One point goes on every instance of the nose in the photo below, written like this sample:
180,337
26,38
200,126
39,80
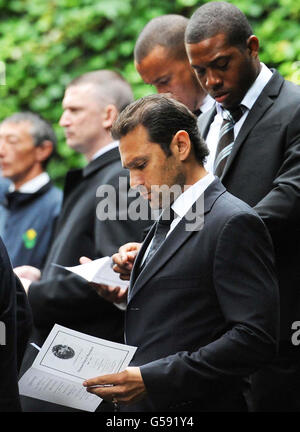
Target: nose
212,80
136,179
65,119
2,147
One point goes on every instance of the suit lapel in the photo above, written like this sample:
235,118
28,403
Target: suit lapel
173,242
161,257
137,263
74,177
205,120
264,101
101,161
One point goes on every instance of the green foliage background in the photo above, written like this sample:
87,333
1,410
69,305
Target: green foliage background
45,43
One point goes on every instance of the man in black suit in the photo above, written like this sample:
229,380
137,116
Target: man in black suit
203,304
91,103
15,325
260,165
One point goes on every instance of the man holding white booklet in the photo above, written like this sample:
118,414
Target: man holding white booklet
65,360
90,105
202,304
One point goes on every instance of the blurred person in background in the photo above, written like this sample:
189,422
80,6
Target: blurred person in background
31,204
161,60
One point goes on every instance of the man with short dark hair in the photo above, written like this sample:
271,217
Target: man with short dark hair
160,59
253,134
27,142
90,105
203,303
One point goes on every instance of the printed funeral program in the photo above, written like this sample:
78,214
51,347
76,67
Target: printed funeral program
98,271
68,358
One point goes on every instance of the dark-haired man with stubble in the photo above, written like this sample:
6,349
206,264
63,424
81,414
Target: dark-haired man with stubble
160,59
202,306
253,134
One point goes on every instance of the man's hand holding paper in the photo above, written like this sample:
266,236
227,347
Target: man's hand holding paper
113,294
124,387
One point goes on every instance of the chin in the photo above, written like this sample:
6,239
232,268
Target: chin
73,145
4,173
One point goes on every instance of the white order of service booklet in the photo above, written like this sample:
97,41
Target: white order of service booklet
66,359
99,271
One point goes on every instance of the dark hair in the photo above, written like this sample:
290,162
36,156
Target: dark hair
111,86
218,17
163,117
41,130
166,31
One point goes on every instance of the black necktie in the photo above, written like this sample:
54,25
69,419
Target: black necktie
161,230
226,138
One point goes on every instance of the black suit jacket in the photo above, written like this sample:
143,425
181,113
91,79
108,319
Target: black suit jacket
204,311
9,395
263,170
66,299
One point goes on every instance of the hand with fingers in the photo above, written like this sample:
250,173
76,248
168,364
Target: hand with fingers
113,294
28,272
124,259
124,387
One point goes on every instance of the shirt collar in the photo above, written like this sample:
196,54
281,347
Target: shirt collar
185,201
255,90
207,103
32,185
257,87
105,149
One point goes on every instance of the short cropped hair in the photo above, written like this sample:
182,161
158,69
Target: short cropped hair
111,87
41,130
162,117
218,17
166,31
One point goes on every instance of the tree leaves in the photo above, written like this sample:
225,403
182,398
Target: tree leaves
45,44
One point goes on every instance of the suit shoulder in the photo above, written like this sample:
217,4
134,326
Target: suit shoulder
291,87
236,221
231,206
290,93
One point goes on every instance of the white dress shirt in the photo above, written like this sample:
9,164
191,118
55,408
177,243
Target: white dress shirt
105,149
32,185
184,202
249,100
207,103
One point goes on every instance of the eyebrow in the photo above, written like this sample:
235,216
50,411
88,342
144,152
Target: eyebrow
216,60
136,161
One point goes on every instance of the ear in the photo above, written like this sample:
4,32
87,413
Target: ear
253,45
43,151
181,145
110,114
